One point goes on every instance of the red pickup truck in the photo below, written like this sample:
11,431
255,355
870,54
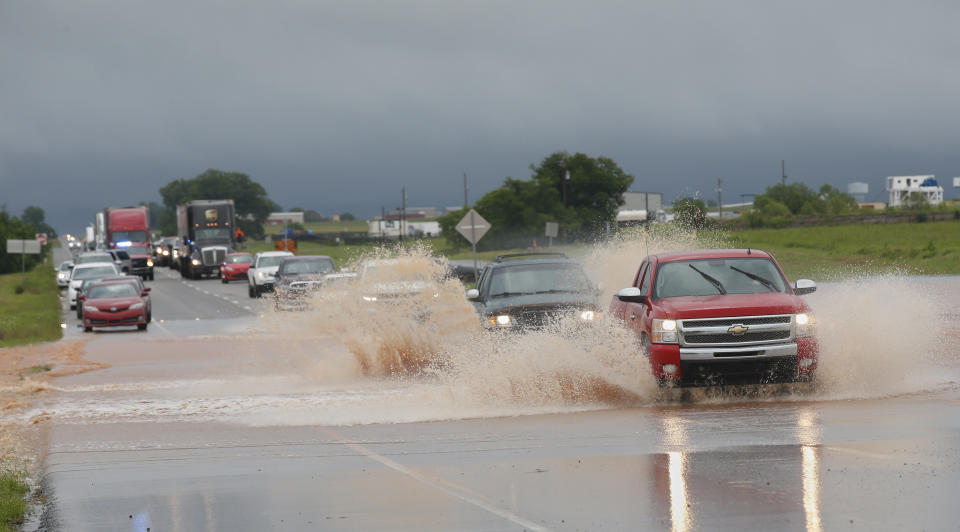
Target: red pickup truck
716,317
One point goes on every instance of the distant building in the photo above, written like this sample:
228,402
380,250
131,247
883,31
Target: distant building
284,218
858,190
640,207
390,228
901,187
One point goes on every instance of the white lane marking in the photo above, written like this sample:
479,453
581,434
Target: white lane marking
162,328
859,452
247,307
454,490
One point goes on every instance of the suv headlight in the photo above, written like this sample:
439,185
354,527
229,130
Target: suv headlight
804,325
501,320
664,331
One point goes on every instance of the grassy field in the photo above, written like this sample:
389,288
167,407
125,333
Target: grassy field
34,315
814,252
928,248
12,503
323,227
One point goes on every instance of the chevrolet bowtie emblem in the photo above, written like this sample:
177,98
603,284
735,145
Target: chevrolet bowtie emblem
738,329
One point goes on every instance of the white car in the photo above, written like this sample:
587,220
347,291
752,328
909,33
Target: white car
263,273
90,270
63,273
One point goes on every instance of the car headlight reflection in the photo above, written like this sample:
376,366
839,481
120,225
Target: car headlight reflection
804,324
369,298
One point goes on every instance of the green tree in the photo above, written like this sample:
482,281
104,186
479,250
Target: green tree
347,217
250,197
36,218
690,212
591,195
837,202
798,197
15,228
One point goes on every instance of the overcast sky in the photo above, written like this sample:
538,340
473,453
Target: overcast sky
337,105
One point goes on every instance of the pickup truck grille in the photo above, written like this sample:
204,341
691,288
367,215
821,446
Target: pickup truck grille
138,263
213,256
747,330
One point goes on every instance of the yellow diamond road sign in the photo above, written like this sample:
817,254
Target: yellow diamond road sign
473,226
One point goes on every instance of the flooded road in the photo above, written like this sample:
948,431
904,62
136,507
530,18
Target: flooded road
247,420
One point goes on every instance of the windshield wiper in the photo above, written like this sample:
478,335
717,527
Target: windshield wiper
765,282
557,291
710,278
509,294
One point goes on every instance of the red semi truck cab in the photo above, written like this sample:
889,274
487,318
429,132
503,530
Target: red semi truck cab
716,317
128,228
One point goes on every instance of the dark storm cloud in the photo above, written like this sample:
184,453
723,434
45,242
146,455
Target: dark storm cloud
335,106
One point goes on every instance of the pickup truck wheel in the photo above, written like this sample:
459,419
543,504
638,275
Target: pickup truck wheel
88,329
251,292
150,276
223,280
645,344
141,326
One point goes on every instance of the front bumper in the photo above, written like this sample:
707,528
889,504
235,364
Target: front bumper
232,275
711,366
114,319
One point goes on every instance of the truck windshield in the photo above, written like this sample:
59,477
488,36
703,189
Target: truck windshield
307,266
545,278
736,276
274,260
118,237
212,233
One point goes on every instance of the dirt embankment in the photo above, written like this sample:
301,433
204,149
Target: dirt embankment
25,373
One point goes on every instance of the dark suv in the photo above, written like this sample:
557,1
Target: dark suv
529,290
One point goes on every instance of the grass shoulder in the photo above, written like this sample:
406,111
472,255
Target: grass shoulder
13,504
33,315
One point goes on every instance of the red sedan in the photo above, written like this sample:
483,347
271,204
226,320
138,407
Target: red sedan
114,305
234,267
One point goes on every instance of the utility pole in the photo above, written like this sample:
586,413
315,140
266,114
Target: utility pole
719,199
465,189
383,219
403,211
783,172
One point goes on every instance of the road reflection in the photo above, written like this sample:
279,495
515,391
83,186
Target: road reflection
679,514
729,481
808,433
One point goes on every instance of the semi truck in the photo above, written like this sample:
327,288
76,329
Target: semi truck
128,228
206,232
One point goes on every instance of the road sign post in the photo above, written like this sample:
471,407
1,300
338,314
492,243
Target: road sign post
473,227
551,231
23,247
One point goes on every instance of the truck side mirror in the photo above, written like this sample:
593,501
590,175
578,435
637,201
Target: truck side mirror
804,286
473,294
631,294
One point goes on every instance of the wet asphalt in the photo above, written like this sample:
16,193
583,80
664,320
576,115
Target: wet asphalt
141,446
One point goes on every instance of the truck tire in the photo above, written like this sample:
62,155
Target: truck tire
88,329
223,279
141,326
251,291
150,276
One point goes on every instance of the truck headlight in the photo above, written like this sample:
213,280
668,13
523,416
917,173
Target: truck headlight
804,324
150,262
369,298
502,320
195,262
664,331
587,315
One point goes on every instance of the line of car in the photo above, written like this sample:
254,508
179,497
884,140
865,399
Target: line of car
103,295
702,318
